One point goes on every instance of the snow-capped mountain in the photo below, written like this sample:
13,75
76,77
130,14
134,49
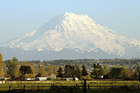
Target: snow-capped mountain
77,33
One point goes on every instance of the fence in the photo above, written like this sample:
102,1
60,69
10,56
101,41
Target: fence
83,85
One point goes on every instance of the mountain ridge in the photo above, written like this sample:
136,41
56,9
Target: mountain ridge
72,31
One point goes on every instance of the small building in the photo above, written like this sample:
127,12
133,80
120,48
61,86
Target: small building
52,76
4,78
2,82
76,79
41,78
100,77
29,79
68,79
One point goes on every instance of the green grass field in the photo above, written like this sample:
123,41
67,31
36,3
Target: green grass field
94,85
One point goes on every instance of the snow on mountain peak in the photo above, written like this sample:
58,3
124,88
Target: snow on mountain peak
73,31
74,16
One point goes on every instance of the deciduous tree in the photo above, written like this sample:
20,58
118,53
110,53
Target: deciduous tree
42,69
116,72
1,65
105,70
12,67
25,70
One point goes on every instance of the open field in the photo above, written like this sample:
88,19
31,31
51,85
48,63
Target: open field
94,85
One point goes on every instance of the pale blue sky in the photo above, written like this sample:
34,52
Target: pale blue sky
20,16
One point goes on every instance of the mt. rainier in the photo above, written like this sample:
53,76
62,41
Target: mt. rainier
71,36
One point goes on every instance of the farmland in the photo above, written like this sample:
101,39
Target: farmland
94,85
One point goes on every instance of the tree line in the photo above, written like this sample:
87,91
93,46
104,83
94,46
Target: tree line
15,69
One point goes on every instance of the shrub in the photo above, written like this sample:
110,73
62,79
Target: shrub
49,79
58,78
88,77
29,76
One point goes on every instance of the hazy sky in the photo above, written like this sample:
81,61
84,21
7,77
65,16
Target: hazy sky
20,16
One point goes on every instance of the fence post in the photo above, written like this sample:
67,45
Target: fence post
78,87
85,89
38,87
24,87
52,86
9,87
139,76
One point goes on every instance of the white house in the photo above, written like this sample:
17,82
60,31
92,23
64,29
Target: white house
70,79
29,79
76,79
100,77
4,78
41,78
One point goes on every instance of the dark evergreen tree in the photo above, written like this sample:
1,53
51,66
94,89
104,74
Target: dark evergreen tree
138,68
72,70
38,75
60,73
68,71
97,70
77,72
84,71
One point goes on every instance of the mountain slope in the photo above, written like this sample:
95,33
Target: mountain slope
75,32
